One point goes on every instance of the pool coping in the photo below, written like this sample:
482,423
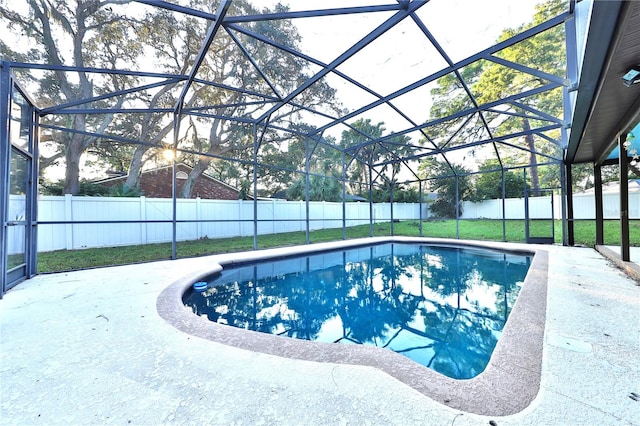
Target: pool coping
510,382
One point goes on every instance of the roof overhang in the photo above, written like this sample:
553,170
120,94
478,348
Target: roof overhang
605,108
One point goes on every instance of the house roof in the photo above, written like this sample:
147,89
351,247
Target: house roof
614,187
178,166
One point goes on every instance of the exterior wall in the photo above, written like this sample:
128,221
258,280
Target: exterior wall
157,184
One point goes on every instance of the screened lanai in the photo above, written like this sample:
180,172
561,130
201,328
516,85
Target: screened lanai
366,99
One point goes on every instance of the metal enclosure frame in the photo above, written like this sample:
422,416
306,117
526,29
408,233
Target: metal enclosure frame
221,21
10,276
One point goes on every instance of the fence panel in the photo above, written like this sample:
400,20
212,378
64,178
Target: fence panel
51,237
406,211
232,218
357,213
218,219
157,209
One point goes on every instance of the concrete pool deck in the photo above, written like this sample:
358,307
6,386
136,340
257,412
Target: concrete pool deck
89,347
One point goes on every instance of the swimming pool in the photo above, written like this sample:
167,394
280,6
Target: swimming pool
508,384
442,306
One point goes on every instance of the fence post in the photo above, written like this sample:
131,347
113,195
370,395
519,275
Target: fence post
273,216
198,216
143,216
240,223
68,217
324,216
420,206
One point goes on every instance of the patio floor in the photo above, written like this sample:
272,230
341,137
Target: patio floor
89,347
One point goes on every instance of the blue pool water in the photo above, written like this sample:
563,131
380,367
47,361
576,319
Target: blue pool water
443,307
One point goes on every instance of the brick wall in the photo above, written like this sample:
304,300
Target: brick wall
157,184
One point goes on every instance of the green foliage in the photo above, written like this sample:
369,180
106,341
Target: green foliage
45,32
321,188
325,170
362,130
442,180
92,189
124,190
245,190
406,194
489,81
488,185
86,188
402,193
109,34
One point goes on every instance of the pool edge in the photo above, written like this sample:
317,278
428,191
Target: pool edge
510,382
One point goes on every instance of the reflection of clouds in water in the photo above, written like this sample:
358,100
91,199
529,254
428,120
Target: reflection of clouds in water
435,305
331,330
435,261
481,295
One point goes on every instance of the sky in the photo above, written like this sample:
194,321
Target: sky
462,27
469,27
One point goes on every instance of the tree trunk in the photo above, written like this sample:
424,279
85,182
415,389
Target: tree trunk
197,171
533,162
133,176
73,153
71,174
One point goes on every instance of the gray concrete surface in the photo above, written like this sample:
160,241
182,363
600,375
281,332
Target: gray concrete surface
89,347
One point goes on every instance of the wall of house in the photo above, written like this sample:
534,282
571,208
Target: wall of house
158,183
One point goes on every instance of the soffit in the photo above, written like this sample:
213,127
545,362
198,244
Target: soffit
605,107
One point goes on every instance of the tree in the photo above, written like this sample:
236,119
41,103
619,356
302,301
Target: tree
280,74
60,33
102,36
105,35
85,188
441,178
122,190
406,194
544,52
325,166
283,159
489,81
321,188
488,184
361,131
402,193
365,154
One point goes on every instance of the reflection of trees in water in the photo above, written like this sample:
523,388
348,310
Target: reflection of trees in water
375,300
462,341
369,313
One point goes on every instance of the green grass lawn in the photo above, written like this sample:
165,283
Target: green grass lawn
488,230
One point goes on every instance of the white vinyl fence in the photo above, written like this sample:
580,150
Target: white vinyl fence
218,219
584,207
222,218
